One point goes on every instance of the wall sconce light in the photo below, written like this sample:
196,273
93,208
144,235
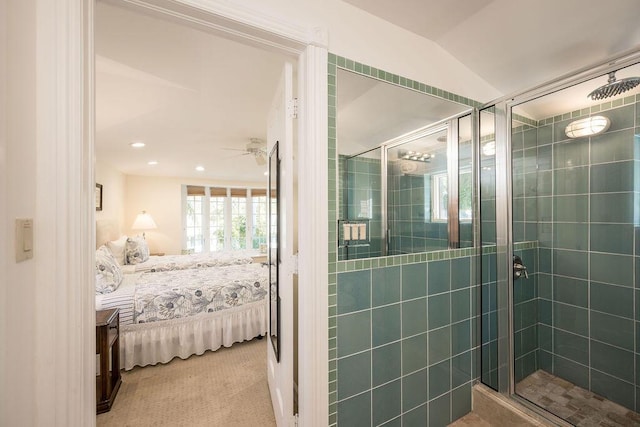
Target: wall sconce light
587,127
144,222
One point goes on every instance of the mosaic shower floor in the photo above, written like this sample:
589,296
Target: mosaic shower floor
574,404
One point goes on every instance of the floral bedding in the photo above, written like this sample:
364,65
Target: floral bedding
182,293
203,260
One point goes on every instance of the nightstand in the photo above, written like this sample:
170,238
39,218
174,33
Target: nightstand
107,347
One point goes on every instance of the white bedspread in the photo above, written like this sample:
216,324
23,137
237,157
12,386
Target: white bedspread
202,260
238,317
184,293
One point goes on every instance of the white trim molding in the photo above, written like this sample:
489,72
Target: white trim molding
4,209
313,226
236,21
64,221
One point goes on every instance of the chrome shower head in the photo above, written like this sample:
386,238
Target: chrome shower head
614,87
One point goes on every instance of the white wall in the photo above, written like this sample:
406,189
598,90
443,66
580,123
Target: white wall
18,166
365,38
162,199
113,194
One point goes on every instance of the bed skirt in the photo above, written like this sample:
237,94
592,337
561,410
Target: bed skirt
145,344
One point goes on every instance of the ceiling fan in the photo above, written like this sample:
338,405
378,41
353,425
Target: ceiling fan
257,147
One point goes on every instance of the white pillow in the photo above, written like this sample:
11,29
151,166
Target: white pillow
137,250
117,249
108,273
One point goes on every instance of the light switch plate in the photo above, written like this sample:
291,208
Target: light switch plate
24,239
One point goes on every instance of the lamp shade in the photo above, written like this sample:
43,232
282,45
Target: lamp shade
144,222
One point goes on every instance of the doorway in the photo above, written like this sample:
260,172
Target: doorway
171,86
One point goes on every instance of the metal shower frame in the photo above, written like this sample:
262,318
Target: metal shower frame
504,213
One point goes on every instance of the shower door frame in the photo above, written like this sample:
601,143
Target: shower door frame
504,212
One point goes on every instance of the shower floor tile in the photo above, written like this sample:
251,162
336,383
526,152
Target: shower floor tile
574,404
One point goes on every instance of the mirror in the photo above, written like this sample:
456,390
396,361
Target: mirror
274,250
394,165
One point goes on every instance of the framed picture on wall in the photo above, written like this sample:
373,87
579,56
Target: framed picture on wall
98,197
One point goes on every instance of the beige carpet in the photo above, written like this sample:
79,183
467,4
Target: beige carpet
227,387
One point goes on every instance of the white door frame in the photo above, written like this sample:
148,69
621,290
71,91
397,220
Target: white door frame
65,148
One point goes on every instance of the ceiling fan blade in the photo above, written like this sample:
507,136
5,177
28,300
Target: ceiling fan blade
235,155
232,149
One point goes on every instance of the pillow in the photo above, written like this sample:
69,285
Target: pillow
117,249
137,250
108,273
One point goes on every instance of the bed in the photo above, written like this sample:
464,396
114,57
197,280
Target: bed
179,313
201,260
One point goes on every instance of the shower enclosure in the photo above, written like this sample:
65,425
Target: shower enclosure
560,189
542,189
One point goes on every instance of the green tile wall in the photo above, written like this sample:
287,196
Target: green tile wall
406,338
526,164
587,196
409,230
360,181
369,325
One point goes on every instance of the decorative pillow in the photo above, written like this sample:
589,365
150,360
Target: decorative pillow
108,273
137,250
117,249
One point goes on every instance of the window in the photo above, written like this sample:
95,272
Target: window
238,219
194,232
259,218
218,219
440,196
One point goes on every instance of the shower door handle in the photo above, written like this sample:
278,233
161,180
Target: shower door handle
519,268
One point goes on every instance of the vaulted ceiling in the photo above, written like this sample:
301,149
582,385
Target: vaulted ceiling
198,99
516,44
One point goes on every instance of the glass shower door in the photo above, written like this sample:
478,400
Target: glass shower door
576,228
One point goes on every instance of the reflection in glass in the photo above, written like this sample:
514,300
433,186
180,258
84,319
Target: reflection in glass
393,173
465,182
417,194
361,204
489,298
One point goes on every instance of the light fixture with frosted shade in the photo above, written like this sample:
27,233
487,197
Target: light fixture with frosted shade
144,222
587,127
489,148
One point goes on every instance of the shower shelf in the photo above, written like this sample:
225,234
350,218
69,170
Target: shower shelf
353,232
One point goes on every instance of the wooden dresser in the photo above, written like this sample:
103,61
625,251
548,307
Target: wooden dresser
108,348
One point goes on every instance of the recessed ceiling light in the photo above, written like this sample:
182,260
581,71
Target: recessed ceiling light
137,144
200,168
266,173
152,163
